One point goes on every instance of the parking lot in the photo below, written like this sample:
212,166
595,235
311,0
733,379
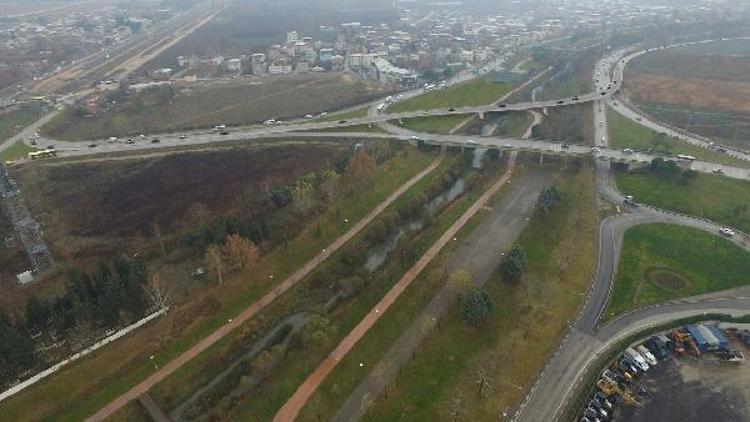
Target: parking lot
691,389
697,372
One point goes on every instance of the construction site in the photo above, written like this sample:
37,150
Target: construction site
692,373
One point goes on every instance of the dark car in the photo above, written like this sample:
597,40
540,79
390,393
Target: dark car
224,132
155,141
451,109
501,105
564,146
560,102
342,121
575,98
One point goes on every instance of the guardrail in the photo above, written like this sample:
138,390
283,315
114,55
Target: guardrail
54,368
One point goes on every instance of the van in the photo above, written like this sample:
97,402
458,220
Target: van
650,358
637,358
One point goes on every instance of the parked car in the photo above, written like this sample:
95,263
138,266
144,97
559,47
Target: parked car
650,358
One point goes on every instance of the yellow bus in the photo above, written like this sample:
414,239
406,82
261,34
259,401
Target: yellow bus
45,153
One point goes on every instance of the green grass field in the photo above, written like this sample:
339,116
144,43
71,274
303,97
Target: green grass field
703,263
16,151
432,124
625,133
717,198
81,389
514,124
515,343
13,121
479,91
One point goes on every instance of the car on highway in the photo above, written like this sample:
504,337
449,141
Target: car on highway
717,171
726,231
224,132
564,146
627,151
93,145
183,137
561,102
502,105
472,142
308,116
575,98
130,142
414,138
596,149
507,146
451,109
155,141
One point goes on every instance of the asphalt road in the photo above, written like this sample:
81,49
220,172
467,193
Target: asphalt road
586,340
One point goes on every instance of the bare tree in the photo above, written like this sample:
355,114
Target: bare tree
483,381
214,262
156,228
455,409
380,374
158,295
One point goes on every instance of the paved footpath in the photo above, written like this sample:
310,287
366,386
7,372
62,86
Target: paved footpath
291,408
260,304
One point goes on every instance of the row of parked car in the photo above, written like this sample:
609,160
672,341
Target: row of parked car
619,382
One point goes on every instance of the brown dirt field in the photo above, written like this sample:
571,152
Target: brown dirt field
91,209
122,198
692,93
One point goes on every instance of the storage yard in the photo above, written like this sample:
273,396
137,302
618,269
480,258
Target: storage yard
695,373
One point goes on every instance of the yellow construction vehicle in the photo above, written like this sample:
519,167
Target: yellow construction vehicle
609,388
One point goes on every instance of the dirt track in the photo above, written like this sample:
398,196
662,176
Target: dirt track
260,304
295,403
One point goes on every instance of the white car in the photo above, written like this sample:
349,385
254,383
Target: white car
596,149
414,137
627,151
472,142
726,231
637,358
650,358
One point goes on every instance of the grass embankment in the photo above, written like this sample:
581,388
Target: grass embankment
512,124
11,123
432,124
528,321
354,128
352,114
477,92
660,262
625,133
16,151
293,371
717,198
81,389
